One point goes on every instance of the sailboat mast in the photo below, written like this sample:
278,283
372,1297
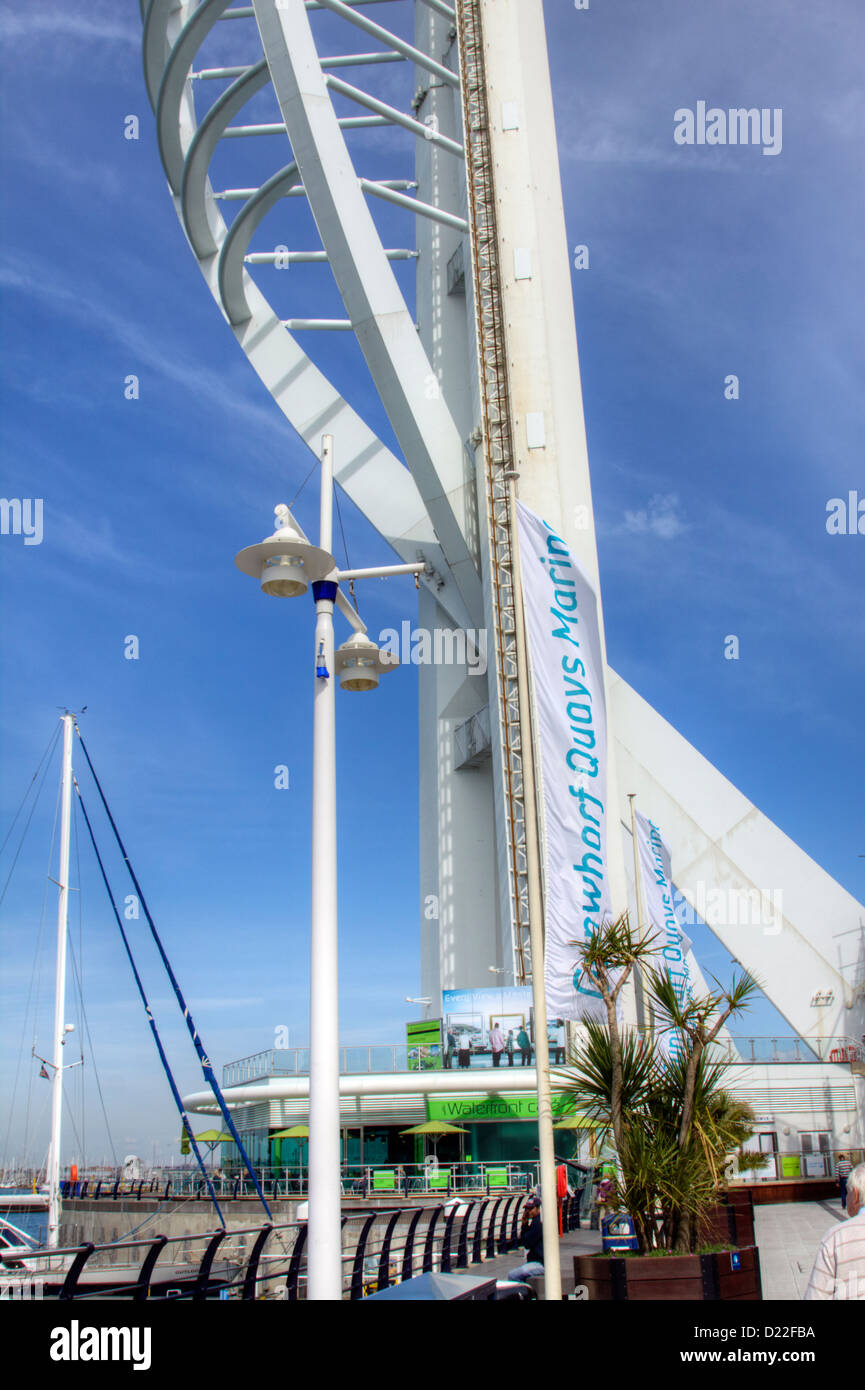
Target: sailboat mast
53,1175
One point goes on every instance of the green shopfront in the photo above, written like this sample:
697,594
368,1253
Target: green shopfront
494,1129
503,1128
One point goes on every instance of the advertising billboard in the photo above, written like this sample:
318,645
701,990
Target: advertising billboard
494,1027
424,1043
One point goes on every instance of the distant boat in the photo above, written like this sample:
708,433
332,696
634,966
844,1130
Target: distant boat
24,1277
14,1241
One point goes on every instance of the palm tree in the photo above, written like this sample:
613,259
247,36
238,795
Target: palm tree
672,1121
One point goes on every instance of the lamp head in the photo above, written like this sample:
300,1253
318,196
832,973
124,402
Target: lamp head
359,663
285,564
282,576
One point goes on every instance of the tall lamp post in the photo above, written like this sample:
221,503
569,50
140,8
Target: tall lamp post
286,565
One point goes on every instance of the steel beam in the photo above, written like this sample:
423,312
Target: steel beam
385,329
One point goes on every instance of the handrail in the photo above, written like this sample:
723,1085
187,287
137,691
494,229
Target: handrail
371,1058
287,1182
387,1237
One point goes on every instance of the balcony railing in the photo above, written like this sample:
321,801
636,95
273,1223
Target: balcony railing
364,1180
294,1061
784,1050
394,1058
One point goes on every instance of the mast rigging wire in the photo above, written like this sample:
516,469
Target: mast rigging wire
47,754
150,1019
204,1060
27,825
36,968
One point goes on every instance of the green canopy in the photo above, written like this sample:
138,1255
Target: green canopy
296,1132
575,1122
214,1136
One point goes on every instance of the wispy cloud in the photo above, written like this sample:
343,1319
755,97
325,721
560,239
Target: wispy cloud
58,25
660,518
87,305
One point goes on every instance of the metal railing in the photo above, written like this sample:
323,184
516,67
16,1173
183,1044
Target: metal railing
781,1050
294,1061
800,1164
386,1057
380,1248
409,1180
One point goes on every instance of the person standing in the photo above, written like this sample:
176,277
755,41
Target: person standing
510,1046
560,1042
497,1044
604,1199
524,1043
450,1049
465,1050
842,1173
839,1266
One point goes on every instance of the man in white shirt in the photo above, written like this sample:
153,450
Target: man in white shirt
839,1269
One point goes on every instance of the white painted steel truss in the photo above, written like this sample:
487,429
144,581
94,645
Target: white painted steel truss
410,508
495,341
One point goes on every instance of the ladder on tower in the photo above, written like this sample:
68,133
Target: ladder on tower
498,454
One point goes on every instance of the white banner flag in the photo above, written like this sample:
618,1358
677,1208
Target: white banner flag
568,680
671,941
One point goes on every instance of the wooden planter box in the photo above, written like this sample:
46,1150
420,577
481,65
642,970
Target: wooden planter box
732,1220
688,1278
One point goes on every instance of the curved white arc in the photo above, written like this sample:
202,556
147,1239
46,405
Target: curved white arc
385,330
173,84
201,151
231,275
448,1083
156,17
376,481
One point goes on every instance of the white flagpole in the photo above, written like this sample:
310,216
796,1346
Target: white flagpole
546,1138
53,1173
644,1017
323,1168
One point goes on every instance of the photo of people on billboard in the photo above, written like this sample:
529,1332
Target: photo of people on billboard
494,1027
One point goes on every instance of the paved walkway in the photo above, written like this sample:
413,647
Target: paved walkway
584,1242
788,1235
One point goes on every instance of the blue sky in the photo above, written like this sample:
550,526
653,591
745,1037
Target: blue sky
711,513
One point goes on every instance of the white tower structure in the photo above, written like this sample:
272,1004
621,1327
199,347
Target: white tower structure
480,382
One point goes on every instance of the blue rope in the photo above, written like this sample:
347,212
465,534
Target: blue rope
150,1019
206,1068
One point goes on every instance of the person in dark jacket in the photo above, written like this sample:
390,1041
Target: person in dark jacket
532,1239
842,1173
